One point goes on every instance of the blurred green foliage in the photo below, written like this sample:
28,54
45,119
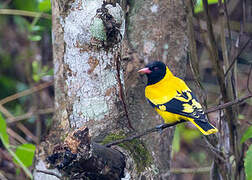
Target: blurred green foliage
33,5
38,25
3,131
29,5
38,71
247,135
44,5
248,163
248,159
24,153
183,133
31,28
21,66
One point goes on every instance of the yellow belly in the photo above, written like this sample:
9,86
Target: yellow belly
170,117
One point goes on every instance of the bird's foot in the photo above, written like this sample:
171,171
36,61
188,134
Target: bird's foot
160,128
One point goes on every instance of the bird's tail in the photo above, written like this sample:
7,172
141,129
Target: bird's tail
205,127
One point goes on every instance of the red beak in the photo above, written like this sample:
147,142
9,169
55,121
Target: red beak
144,71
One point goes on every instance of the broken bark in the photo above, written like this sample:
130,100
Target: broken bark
78,157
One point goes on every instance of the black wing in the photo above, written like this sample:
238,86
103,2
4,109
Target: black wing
185,104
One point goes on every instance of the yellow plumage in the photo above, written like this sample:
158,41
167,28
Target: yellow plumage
174,101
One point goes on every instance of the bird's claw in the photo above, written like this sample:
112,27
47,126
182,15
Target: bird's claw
160,128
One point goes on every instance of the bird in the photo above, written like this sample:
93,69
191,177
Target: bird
172,99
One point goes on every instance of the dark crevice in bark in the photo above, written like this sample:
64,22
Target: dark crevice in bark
80,158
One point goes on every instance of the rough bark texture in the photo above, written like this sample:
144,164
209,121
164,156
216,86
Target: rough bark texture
79,158
87,37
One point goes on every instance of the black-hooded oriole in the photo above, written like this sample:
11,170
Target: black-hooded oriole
172,99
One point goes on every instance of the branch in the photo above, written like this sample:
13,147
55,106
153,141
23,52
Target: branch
25,13
29,115
228,104
49,173
190,170
148,131
2,176
238,54
121,92
26,92
250,70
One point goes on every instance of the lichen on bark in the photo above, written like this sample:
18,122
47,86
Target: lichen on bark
91,70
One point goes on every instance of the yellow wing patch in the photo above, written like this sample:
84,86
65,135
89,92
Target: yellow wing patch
188,108
162,107
183,98
196,104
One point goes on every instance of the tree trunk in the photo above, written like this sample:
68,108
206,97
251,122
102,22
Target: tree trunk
89,87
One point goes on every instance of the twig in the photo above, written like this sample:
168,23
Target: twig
228,21
215,151
5,112
250,70
2,177
25,13
19,125
10,131
228,104
49,173
26,92
148,131
238,54
29,115
190,170
16,136
248,122
222,35
121,93
27,132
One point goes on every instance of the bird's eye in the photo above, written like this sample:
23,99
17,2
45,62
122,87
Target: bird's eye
156,68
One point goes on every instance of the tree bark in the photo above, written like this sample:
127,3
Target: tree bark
89,82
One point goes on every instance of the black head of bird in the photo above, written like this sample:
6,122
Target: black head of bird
155,71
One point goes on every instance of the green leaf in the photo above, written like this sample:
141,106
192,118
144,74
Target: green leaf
248,163
241,116
35,67
36,28
25,153
3,132
44,69
190,135
34,37
199,5
176,141
29,5
50,72
36,77
5,140
45,5
247,135
22,23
